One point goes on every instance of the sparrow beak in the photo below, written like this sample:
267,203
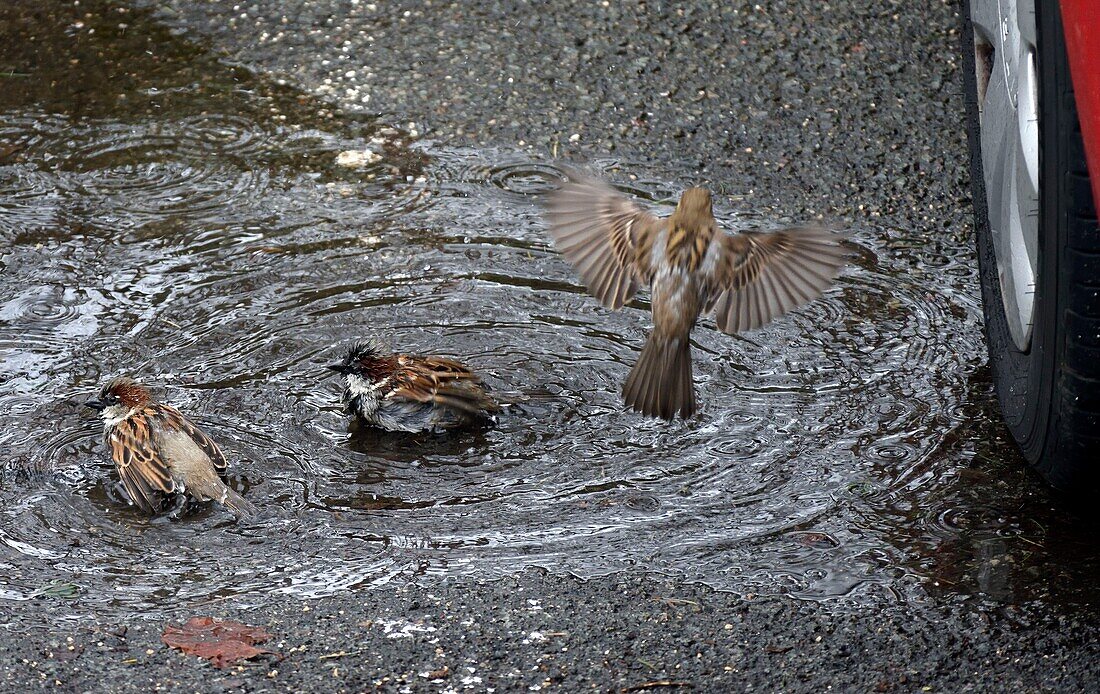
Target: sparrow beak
96,405
338,368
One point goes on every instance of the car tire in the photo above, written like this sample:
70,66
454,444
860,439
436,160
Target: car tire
1049,389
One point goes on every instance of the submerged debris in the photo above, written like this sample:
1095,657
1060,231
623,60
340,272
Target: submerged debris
354,159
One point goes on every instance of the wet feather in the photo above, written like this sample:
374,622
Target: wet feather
692,267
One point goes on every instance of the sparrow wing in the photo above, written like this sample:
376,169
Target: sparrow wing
141,466
172,418
607,237
761,276
444,382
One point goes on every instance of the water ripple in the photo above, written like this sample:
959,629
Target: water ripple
226,257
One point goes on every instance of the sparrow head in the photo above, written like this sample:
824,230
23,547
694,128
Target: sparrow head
119,397
367,359
694,209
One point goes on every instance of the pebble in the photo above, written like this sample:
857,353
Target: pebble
354,159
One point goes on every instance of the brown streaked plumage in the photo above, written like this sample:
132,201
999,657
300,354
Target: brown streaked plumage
161,454
691,267
407,392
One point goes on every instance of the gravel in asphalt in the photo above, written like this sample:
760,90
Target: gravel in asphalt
540,632
848,110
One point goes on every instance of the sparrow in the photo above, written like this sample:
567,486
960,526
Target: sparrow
691,268
407,392
161,455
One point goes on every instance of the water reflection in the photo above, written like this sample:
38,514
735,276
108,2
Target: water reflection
169,216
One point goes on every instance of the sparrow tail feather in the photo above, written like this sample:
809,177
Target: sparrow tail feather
523,397
215,489
660,384
472,402
240,506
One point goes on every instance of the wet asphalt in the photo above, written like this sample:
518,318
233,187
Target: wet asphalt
848,112
540,632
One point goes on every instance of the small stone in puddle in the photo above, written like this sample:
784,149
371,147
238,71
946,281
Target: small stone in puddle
353,158
816,540
643,502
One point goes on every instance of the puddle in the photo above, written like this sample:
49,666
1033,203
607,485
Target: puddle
169,216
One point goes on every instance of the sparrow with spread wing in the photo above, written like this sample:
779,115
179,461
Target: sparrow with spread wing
691,267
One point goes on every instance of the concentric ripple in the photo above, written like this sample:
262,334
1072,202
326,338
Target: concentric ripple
525,178
223,134
130,175
840,403
210,241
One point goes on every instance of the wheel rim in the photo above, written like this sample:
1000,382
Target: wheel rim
1008,106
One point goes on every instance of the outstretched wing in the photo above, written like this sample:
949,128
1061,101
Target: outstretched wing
606,236
172,418
762,276
141,466
444,382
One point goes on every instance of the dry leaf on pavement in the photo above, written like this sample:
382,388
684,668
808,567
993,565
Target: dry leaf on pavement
222,642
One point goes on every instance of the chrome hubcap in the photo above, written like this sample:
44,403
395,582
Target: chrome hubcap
1005,61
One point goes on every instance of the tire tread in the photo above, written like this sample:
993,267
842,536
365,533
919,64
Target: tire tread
1078,402
1050,391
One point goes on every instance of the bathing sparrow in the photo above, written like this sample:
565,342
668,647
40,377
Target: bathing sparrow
691,267
159,453
406,392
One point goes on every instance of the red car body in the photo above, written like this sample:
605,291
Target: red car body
1081,21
